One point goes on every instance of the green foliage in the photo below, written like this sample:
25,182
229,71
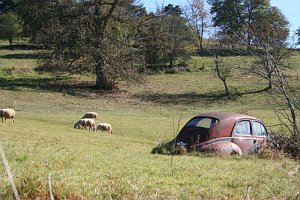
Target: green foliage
10,26
244,23
170,9
167,38
100,40
37,13
7,6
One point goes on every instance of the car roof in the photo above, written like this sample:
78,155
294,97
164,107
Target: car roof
226,115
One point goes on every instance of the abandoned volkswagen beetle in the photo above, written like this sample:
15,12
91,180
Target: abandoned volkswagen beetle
225,132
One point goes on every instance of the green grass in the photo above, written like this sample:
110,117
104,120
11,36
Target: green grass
97,165
92,164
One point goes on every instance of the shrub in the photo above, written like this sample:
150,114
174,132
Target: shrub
169,148
288,145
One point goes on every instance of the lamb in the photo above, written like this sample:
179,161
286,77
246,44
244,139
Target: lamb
8,113
85,123
92,115
104,127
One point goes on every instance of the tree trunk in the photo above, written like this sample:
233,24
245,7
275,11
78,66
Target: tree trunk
270,84
171,58
282,83
102,81
226,87
201,34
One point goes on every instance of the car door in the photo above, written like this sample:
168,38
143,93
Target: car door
260,133
242,132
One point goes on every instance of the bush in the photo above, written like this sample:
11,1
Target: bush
288,145
169,148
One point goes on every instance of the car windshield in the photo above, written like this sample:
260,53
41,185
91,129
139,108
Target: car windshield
202,122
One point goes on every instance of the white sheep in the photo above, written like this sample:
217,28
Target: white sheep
85,123
104,127
8,113
92,115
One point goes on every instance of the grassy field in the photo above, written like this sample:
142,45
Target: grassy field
96,165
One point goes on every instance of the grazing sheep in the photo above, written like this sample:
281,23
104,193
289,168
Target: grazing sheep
104,127
91,115
85,123
8,113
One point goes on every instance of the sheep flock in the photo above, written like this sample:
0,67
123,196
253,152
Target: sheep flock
87,121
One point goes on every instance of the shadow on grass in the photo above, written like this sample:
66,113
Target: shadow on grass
75,87
19,56
60,84
266,89
192,97
184,99
18,47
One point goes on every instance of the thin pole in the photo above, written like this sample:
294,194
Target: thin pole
50,187
9,174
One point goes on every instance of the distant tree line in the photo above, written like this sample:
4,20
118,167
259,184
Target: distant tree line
116,39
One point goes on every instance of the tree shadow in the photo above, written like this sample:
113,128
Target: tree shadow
87,89
61,84
19,56
193,97
18,47
181,99
266,89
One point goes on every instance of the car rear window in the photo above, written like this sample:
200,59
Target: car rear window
202,122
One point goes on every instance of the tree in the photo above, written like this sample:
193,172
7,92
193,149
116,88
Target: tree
264,30
10,26
227,16
91,37
270,51
298,35
7,6
270,63
223,71
287,102
238,19
269,45
167,37
37,13
197,16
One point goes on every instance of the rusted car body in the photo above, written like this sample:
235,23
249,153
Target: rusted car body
229,133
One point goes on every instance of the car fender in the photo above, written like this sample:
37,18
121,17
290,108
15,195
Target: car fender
225,146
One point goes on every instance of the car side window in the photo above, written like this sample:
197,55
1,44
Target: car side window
258,129
242,128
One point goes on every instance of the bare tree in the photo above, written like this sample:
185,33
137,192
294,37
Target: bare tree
198,17
223,71
269,64
287,101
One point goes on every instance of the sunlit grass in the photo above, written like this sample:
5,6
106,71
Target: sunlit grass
90,162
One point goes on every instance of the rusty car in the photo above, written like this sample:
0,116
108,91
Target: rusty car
225,132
